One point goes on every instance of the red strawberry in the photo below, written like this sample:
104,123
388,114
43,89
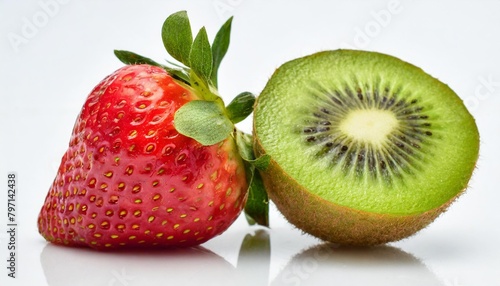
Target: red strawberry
129,178
155,158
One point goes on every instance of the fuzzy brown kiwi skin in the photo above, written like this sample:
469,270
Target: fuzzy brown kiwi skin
335,223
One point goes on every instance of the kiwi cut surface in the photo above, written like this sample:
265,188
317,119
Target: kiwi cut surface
365,147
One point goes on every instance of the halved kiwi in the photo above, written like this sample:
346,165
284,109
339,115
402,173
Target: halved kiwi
365,148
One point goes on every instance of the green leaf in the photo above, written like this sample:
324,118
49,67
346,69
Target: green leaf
262,162
174,64
204,121
245,148
130,58
244,143
241,107
178,74
177,36
257,206
220,47
201,56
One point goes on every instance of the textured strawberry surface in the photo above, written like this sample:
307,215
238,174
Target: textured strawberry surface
130,179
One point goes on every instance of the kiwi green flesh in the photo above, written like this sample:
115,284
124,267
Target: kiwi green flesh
416,157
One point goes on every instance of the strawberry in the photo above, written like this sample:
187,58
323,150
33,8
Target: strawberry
153,158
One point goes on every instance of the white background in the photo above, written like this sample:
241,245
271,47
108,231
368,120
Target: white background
53,52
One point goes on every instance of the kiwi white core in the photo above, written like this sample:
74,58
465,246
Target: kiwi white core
369,126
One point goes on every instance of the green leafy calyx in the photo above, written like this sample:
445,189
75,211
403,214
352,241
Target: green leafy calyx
198,65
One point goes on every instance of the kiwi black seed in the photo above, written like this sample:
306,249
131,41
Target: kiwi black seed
365,148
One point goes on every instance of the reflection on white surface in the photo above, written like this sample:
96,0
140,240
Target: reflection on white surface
254,259
191,266
194,266
328,264
323,264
